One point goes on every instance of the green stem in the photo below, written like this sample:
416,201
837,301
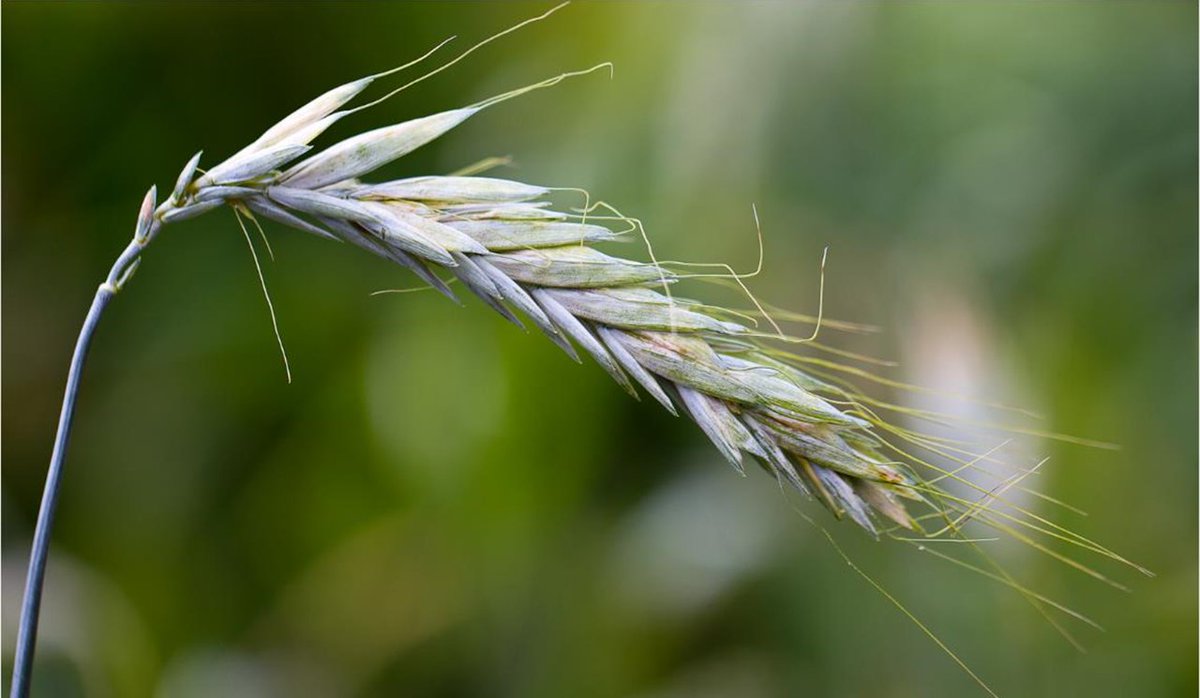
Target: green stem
31,604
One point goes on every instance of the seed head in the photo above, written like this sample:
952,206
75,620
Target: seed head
506,243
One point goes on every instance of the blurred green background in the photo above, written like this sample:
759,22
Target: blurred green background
440,504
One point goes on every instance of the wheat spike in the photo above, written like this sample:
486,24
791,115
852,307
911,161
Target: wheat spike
507,245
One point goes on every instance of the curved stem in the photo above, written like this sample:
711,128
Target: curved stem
31,604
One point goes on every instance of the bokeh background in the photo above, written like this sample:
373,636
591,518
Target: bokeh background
440,504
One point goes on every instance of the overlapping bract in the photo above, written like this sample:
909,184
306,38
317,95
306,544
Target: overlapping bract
502,241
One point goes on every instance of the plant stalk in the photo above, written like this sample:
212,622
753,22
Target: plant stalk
31,603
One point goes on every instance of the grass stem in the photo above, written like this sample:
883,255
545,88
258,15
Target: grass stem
32,601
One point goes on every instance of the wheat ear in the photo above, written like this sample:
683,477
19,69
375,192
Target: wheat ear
509,248
505,243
